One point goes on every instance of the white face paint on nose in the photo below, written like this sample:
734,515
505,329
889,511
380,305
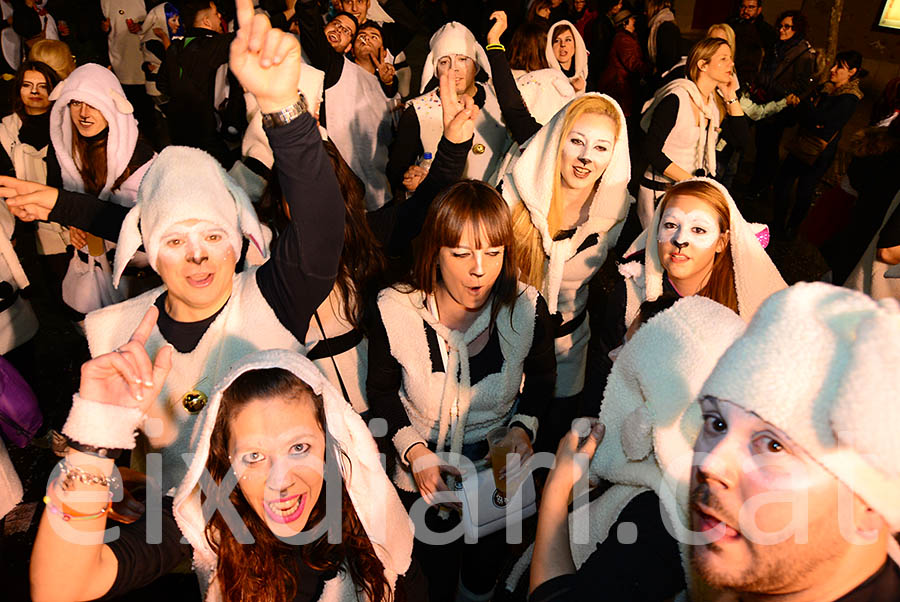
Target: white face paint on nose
697,228
196,248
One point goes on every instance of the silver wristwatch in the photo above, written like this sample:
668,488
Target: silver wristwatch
286,115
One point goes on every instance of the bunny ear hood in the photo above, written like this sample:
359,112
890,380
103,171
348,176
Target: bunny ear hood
373,495
98,87
452,38
186,184
755,276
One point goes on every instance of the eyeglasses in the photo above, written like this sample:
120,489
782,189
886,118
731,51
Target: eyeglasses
342,29
786,26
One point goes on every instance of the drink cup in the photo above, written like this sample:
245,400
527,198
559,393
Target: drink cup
500,445
95,245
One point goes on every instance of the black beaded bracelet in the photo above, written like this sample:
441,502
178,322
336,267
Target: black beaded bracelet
100,452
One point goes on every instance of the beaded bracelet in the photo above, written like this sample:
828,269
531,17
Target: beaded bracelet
68,514
496,46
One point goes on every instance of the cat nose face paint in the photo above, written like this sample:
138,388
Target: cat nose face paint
695,228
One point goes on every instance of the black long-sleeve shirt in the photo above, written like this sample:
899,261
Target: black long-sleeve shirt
304,259
522,125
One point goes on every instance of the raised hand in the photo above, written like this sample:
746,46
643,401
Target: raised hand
384,70
459,112
265,60
497,29
574,456
28,201
127,376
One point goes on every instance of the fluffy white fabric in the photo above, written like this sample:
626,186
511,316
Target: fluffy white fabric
755,276
182,184
820,363
10,485
102,424
374,497
872,276
99,88
581,53
452,38
650,415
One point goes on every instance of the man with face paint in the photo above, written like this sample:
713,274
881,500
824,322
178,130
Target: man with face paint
455,50
356,109
192,220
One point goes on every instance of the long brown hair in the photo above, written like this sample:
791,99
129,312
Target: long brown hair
467,203
530,256
528,48
720,287
89,155
265,569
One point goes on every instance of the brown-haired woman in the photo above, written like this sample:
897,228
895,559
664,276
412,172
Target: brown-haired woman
698,243
287,457
335,340
682,123
447,354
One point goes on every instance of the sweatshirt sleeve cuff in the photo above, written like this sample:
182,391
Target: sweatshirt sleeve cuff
529,423
404,439
102,424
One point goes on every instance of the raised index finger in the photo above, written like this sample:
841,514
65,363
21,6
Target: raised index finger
447,92
244,14
142,332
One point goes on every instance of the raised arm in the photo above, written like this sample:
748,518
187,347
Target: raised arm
319,52
305,258
518,119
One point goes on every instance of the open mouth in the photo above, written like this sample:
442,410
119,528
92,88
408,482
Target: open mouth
200,280
712,527
333,38
581,172
286,510
678,257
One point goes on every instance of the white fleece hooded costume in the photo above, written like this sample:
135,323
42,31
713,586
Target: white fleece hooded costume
186,183
572,262
373,496
491,138
580,56
755,276
651,420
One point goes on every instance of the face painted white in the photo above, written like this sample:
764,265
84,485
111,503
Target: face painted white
697,228
196,241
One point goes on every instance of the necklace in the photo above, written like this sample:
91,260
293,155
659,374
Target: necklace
195,400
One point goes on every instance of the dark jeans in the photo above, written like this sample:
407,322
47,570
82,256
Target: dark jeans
769,132
807,178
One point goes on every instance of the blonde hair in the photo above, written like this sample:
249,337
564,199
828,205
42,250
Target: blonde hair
702,51
56,54
530,256
729,35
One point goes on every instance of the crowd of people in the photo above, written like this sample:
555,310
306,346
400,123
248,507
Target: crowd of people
333,265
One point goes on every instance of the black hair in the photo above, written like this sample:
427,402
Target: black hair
51,77
190,10
799,22
370,24
852,60
346,14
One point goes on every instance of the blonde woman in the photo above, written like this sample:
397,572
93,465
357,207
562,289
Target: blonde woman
566,187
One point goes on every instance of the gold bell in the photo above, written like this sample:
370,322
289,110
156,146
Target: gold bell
194,401
478,149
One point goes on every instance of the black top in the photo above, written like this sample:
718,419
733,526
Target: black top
890,233
304,259
826,114
522,125
647,569
883,586
141,563
385,376
668,46
735,130
407,145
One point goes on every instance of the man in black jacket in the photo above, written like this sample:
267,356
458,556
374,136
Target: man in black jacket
755,39
206,102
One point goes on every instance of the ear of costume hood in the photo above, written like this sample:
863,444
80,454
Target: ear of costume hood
98,87
129,242
755,276
581,54
452,38
373,495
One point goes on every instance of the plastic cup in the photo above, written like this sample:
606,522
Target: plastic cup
500,445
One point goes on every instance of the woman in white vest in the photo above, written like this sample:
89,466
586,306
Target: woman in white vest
192,220
286,455
683,122
567,192
453,48
447,356
567,53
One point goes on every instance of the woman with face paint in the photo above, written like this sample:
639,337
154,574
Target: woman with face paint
448,351
192,220
697,244
682,123
566,51
286,457
566,187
